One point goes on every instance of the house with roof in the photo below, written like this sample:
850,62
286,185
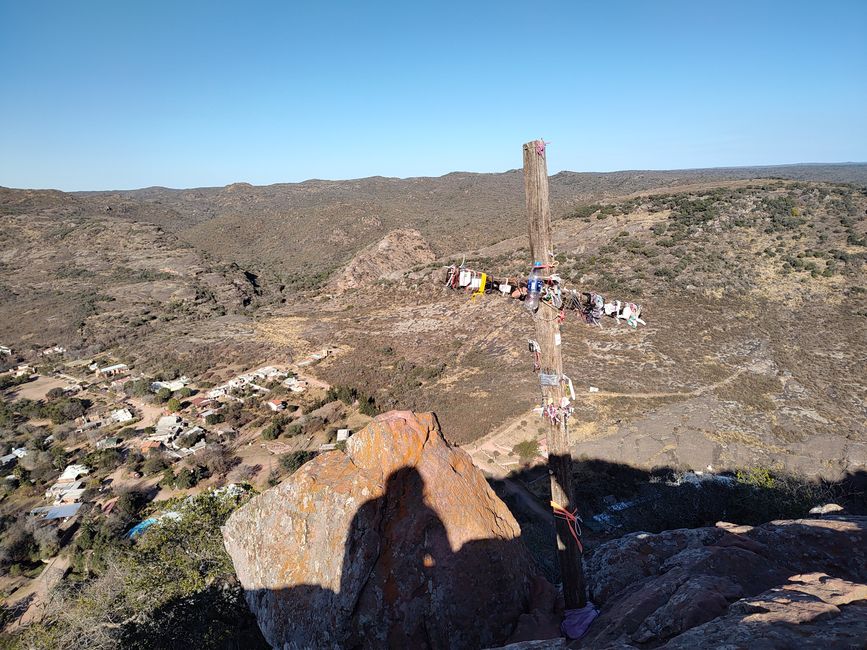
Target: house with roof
199,401
119,384
8,461
122,416
69,485
218,391
168,427
295,385
150,445
23,370
5,351
112,370
50,513
109,443
276,405
173,385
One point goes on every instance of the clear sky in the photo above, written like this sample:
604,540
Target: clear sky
131,93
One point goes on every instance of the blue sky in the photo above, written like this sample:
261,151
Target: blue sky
110,95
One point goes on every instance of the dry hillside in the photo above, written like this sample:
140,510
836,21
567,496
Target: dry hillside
754,293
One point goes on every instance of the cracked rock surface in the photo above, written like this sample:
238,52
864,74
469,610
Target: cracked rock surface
396,542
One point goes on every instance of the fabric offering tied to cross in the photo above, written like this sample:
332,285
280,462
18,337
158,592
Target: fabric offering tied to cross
590,305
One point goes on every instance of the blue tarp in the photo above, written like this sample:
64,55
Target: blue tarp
141,527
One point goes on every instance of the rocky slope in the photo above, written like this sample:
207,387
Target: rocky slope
784,584
91,280
396,542
399,542
399,251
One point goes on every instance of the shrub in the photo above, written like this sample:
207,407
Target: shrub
154,464
272,431
527,450
292,461
214,418
186,479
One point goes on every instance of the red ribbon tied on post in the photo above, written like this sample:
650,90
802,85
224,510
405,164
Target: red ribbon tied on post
540,147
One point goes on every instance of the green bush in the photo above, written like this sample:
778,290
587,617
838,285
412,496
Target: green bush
272,431
292,461
214,418
527,450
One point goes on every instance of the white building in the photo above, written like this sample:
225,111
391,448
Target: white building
276,405
122,415
23,370
173,385
167,429
20,452
5,351
68,486
115,369
343,435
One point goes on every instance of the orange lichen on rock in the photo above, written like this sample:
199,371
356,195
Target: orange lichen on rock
399,540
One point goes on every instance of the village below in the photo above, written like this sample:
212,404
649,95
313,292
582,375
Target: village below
122,440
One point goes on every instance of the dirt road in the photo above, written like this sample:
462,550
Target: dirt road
39,589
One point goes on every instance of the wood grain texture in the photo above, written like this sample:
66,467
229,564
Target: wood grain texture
547,333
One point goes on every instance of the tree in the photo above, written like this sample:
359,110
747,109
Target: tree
217,459
174,405
189,439
47,538
294,460
54,393
18,545
137,387
163,395
130,503
109,459
154,463
186,479
184,392
214,418
168,479
271,432
526,450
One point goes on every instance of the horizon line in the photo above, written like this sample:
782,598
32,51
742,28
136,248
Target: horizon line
425,177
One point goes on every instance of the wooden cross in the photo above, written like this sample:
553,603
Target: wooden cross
548,336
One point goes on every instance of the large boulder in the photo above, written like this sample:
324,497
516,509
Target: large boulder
396,542
783,584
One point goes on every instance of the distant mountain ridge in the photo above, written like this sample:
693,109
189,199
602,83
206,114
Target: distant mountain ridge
314,227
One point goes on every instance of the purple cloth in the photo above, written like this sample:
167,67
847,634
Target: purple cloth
576,621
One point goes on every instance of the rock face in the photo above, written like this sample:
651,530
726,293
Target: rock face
783,584
398,251
398,542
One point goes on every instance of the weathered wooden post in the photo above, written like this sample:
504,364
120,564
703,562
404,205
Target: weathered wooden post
548,336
